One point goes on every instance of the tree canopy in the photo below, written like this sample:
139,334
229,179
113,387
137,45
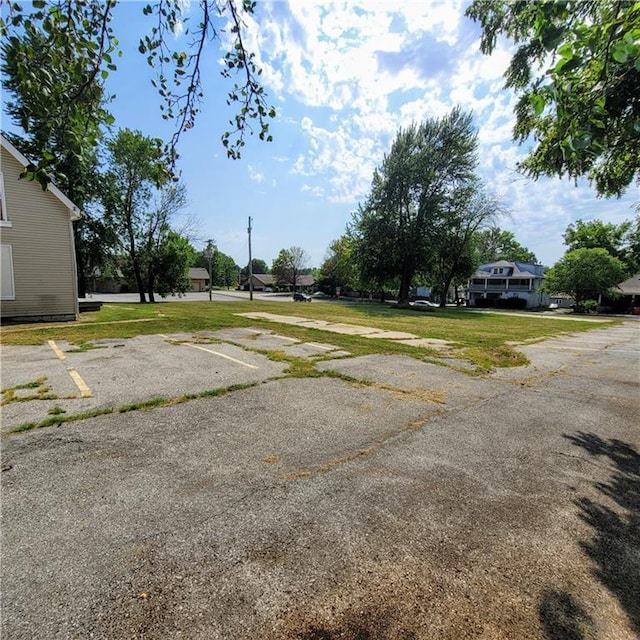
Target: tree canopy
495,244
289,265
416,198
339,271
64,51
139,201
622,240
576,71
452,237
584,274
257,266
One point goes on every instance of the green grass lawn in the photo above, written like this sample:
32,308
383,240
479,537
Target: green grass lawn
483,339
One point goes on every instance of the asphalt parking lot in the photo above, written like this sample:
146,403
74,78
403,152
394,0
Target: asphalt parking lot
421,503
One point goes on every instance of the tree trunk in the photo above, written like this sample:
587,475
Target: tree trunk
138,277
134,263
80,267
150,286
405,284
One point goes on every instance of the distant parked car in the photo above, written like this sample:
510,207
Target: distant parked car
268,290
423,303
301,297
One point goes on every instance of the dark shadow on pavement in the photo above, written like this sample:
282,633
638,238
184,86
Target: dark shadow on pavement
615,546
563,618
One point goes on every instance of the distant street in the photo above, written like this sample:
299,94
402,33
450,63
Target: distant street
191,296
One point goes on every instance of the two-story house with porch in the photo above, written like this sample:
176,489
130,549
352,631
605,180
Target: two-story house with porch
504,279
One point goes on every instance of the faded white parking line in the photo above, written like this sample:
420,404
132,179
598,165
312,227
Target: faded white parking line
321,346
275,335
85,392
215,353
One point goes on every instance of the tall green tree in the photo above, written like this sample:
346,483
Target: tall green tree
289,266
495,244
411,192
257,266
374,247
576,71
226,272
338,271
55,96
163,255
168,265
584,274
224,267
136,171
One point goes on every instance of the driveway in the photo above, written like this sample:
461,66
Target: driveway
420,503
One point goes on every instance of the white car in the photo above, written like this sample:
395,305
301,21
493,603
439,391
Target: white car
423,303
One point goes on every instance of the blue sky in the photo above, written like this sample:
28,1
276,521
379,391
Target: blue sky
343,78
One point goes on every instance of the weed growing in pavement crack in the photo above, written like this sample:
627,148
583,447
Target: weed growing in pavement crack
56,410
86,346
144,405
42,392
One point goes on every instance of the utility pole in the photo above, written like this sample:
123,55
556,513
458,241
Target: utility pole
208,252
250,263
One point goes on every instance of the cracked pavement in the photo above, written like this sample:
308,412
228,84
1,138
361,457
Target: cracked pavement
423,504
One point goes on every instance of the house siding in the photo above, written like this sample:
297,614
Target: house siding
41,240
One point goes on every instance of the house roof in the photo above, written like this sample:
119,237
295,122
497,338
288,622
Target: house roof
198,273
631,286
75,211
264,278
305,280
516,269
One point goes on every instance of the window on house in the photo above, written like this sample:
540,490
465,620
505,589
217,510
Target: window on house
3,204
7,288
498,270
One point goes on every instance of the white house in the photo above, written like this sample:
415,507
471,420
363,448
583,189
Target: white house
38,270
504,279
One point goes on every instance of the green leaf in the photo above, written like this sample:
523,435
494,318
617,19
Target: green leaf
567,65
551,36
620,52
537,103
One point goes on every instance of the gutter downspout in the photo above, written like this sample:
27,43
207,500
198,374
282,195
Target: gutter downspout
74,268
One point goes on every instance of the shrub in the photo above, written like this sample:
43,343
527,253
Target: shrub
511,303
586,306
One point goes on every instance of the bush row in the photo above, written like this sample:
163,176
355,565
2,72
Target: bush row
501,303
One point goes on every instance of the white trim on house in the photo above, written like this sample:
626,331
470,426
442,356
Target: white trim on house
4,216
75,211
8,287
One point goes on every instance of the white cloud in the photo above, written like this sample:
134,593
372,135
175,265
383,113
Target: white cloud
315,190
256,176
356,72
